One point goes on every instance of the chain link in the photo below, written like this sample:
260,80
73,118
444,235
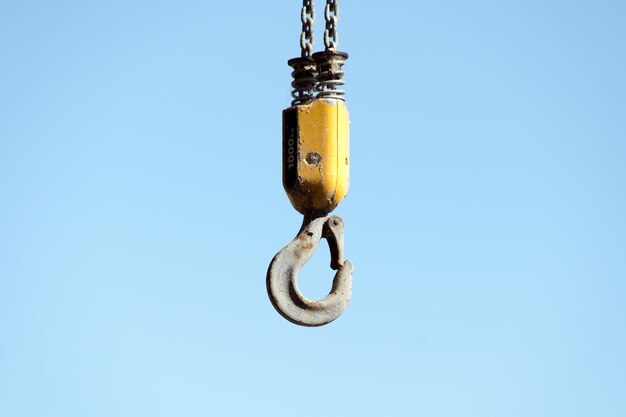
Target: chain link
307,40
331,14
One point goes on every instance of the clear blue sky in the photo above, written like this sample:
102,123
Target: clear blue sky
141,203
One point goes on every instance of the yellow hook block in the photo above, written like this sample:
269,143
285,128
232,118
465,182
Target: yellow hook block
316,156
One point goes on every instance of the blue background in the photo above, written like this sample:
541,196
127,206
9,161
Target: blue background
140,204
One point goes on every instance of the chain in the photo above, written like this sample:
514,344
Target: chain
307,15
331,14
307,40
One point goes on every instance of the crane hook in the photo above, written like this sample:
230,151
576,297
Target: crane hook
282,286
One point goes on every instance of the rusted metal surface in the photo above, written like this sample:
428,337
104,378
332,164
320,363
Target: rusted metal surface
282,275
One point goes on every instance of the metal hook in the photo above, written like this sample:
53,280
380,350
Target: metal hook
282,286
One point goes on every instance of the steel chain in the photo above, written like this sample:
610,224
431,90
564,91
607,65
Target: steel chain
307,40
331,14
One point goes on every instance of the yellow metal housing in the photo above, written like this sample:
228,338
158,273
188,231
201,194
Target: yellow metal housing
316,160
